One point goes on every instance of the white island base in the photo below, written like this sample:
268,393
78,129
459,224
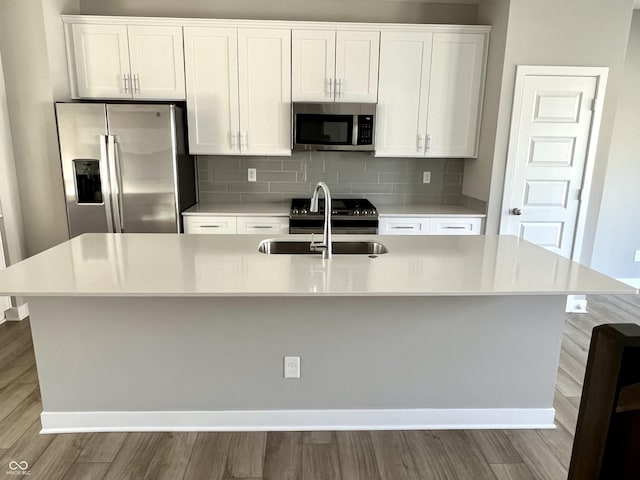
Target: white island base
216,363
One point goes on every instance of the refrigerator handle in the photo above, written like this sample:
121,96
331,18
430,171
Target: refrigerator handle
106,181
115,180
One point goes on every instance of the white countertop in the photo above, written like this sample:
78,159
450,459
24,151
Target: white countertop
240,209
230,265
426,211
282,210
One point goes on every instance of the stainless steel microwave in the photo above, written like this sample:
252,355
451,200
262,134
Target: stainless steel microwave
334,126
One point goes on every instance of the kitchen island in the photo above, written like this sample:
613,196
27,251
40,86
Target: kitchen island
144,332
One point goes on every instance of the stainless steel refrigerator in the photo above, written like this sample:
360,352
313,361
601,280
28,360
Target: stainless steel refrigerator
125,167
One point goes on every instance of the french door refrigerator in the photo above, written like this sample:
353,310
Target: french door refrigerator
125,167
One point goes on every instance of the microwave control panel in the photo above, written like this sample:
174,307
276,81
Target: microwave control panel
365,129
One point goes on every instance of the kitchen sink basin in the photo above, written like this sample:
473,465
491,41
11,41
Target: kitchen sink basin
286,247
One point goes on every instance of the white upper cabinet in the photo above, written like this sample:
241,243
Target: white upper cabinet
405,62
211,68
430,94
455,92
238,90
101,54
335,66
264,68
157,62
120,61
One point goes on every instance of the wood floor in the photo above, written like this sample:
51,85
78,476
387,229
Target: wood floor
407,455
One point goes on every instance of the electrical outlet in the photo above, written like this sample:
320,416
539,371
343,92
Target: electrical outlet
636,257
291,367
426,177
251,175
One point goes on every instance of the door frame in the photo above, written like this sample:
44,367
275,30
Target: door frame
522,71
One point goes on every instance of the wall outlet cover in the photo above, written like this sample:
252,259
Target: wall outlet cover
251,174
636,257
291,367
426,177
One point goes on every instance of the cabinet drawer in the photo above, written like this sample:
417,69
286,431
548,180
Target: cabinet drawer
455,226
403,226
257,225
210,225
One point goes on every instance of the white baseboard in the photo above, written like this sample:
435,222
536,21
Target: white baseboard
17,314
298,420
634,282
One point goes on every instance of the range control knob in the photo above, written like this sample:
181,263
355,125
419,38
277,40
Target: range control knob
303,211
294,211
356,212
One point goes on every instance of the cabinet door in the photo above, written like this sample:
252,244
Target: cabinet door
455,226
312,66
403,91
211,68
210,225
101,54
264,68
260,225
403,226
457,71
157,63
357,66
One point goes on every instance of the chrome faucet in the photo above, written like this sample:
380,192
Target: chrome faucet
325,245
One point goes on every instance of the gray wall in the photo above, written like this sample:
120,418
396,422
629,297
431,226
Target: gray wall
477,182
319,10
382,180
618,234
548,32
35,76
9,197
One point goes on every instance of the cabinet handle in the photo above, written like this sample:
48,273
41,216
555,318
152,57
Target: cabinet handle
210,226
454,227
330,86
419,142
339,88
428,142
136,83
125,82
244,143
401,227
262,226
234,142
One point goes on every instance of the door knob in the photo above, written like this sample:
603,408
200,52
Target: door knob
516,211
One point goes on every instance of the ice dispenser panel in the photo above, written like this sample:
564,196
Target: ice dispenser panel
88,184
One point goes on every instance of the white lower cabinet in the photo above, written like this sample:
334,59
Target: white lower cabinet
403,226
210,225
256,225
429,226
205,224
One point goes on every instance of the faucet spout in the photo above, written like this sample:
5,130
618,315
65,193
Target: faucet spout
325,245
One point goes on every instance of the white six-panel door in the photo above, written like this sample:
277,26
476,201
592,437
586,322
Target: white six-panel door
157,62
405,62
313,54
357,56
454,94
211,67
101,55
264,79
551,132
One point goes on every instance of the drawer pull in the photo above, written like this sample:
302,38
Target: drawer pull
210,226
401,227
262,226
455,227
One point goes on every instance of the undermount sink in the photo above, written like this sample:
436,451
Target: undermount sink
286,247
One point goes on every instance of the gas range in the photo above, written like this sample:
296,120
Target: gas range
348,216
